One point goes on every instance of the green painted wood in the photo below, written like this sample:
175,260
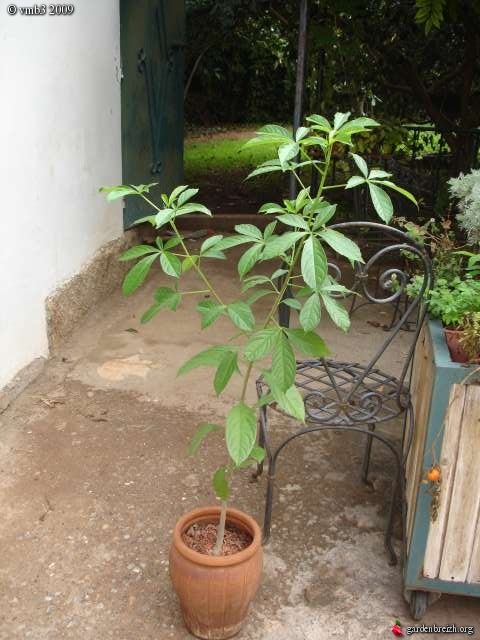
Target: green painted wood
446,374
152,34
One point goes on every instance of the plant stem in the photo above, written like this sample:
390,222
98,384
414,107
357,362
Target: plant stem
334,186
217,549
328,158
195,265
288,276
187,253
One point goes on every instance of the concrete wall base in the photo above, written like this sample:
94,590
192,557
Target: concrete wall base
68,304
20,382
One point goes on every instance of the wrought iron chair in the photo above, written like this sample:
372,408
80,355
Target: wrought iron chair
347,396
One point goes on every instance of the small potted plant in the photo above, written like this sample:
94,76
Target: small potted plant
216,555
456,303
455,296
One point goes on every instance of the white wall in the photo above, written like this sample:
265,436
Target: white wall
59,141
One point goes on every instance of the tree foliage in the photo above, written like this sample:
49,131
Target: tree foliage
413,60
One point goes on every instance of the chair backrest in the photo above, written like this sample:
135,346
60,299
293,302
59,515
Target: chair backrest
382,280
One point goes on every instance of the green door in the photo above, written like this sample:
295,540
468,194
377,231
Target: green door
152,42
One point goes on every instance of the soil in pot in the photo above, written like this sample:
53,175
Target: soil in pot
201,537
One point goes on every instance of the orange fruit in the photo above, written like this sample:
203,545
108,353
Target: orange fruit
433,474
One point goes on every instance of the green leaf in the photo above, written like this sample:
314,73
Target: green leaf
316,141
308,342
150,313
164,298
241,315
213,252
290,401
149,219
220,484
176,192
171,264
277,245
337,312
263,400
253,281
137,274
293,220
404,192
278,273
119,191
313,263
378,173
269,229
137,251
226,369
210,311
210,242
275,130
193,207
188,263
310,313
354,181
361,164
381,202
288,151
163,216
325,214
241,432
167,297
231,241
260,344
283,363
249,259
358,125
320,122
340,119
260,293
264,168
301,133
203,430
342,245
271,208
186,195
257,453
172,243
249,230
210,357
292,302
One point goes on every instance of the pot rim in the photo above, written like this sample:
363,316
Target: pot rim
452,331
234,516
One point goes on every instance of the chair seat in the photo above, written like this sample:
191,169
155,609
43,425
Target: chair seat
345,393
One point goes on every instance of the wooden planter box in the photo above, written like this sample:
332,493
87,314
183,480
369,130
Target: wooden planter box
443,539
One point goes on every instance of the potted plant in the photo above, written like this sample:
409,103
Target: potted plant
216,556
455,296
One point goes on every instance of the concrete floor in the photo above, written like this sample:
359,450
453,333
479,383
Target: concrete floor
94,474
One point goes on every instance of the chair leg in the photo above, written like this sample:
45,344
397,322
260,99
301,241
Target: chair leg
262,425
267,521
396,486
366,455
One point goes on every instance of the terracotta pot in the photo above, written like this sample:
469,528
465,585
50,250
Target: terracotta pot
457,353
215,591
